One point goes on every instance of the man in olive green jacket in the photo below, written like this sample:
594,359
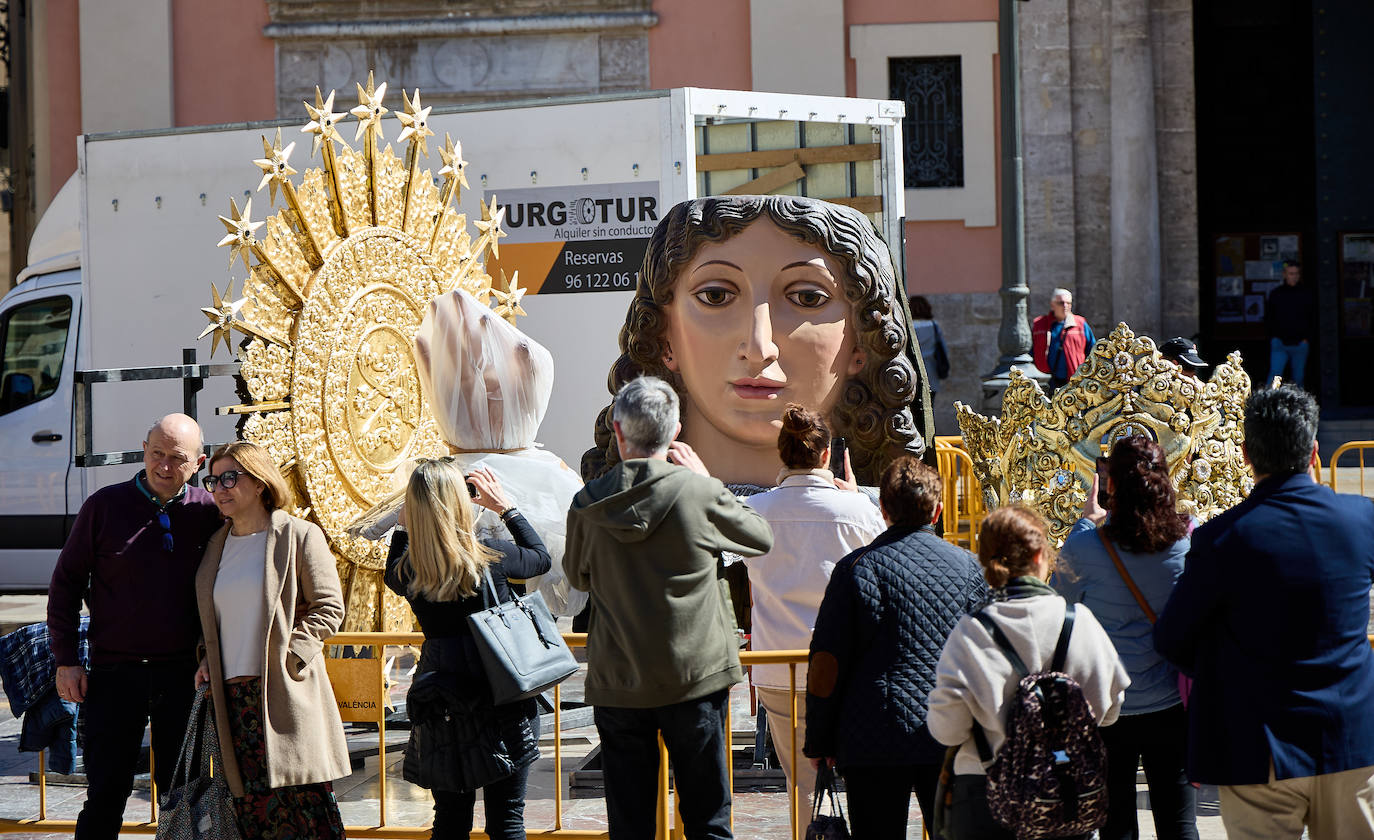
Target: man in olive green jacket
645,540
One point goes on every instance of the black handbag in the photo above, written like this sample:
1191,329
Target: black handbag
199,808
831,826
521,649
944,794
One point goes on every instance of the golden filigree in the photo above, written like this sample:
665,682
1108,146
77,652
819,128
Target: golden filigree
1042,451
337,287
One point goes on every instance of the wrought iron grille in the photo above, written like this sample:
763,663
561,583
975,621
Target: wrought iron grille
933,130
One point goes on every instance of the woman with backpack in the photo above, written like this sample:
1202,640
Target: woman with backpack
1125,569
1003,782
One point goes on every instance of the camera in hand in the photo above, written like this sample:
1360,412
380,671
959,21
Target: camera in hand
472,489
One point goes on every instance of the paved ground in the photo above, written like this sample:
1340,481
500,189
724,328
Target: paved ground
757,815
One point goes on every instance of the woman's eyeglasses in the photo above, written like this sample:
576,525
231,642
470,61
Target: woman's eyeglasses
226,479
166,522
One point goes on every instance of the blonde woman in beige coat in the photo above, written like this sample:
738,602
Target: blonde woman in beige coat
269,595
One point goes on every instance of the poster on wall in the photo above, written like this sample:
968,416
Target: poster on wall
1357,284
1246,268
569,240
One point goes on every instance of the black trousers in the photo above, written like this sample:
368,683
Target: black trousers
694,732
120,701
1159,741
880,798
969,815
505,808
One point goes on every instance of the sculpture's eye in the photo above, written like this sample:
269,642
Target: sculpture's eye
809,298
714,295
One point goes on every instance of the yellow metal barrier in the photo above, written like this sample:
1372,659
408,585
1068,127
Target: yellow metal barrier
1357,446
961,495
369,677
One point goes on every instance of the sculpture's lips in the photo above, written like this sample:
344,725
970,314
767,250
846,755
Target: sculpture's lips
757,389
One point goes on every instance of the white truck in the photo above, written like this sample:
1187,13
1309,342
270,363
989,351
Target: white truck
124,258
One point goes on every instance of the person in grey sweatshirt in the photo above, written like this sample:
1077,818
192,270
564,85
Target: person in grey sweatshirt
645,540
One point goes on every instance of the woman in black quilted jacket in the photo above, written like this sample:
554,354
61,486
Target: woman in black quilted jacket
439,567
885,616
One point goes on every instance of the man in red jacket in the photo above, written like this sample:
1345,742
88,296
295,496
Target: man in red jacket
1061,340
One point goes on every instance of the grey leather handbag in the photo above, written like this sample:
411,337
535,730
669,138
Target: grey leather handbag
521,649
199,808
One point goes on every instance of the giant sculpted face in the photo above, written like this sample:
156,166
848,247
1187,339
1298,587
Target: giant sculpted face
748,303
756,322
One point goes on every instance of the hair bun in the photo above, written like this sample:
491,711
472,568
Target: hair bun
797,421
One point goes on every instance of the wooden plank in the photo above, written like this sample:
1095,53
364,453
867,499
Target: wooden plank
780,157
765,184
862,203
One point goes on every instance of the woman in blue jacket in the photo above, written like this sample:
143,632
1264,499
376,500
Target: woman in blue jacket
1150,539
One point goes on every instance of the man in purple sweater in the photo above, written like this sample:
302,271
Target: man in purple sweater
132,556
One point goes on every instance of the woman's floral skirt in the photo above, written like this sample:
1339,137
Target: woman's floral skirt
288,813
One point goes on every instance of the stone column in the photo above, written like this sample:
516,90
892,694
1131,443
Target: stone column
1014,337
1135,183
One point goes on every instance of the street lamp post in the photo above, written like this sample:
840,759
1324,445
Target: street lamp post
1014,336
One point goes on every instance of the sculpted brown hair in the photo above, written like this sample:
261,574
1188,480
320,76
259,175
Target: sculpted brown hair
910,492
883,411
1009,541
803,438
257,463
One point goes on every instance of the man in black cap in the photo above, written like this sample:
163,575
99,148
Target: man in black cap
1183,353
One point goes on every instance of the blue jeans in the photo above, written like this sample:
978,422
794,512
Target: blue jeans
1282,355
694,731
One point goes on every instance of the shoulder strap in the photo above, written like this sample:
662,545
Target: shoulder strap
1126,576
1061,648
491,587
1002,642
980,738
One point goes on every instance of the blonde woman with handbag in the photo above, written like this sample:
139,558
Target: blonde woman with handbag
440,567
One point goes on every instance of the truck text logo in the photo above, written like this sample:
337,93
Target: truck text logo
582,211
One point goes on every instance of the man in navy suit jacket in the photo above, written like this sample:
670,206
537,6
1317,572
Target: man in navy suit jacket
1270,619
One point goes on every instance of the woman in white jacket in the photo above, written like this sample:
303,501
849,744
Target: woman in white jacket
975,681
817,518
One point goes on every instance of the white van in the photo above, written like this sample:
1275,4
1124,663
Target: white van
123,259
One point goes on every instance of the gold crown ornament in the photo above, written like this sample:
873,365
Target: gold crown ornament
338,282
1043,450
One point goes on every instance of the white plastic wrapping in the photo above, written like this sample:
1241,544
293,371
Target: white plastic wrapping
489,386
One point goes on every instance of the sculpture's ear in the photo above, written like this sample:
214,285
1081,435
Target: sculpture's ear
857,359
668,360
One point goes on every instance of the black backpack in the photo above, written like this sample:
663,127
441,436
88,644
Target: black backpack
1050,777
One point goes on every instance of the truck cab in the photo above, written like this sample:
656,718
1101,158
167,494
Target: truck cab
40,490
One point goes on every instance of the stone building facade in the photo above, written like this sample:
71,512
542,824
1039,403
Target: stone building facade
461,52
1109,145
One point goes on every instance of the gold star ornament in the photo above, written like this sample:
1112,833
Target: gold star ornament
274,164
492,217
221,316
454,165
324,122
508,302
241,228
369,111
416,122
